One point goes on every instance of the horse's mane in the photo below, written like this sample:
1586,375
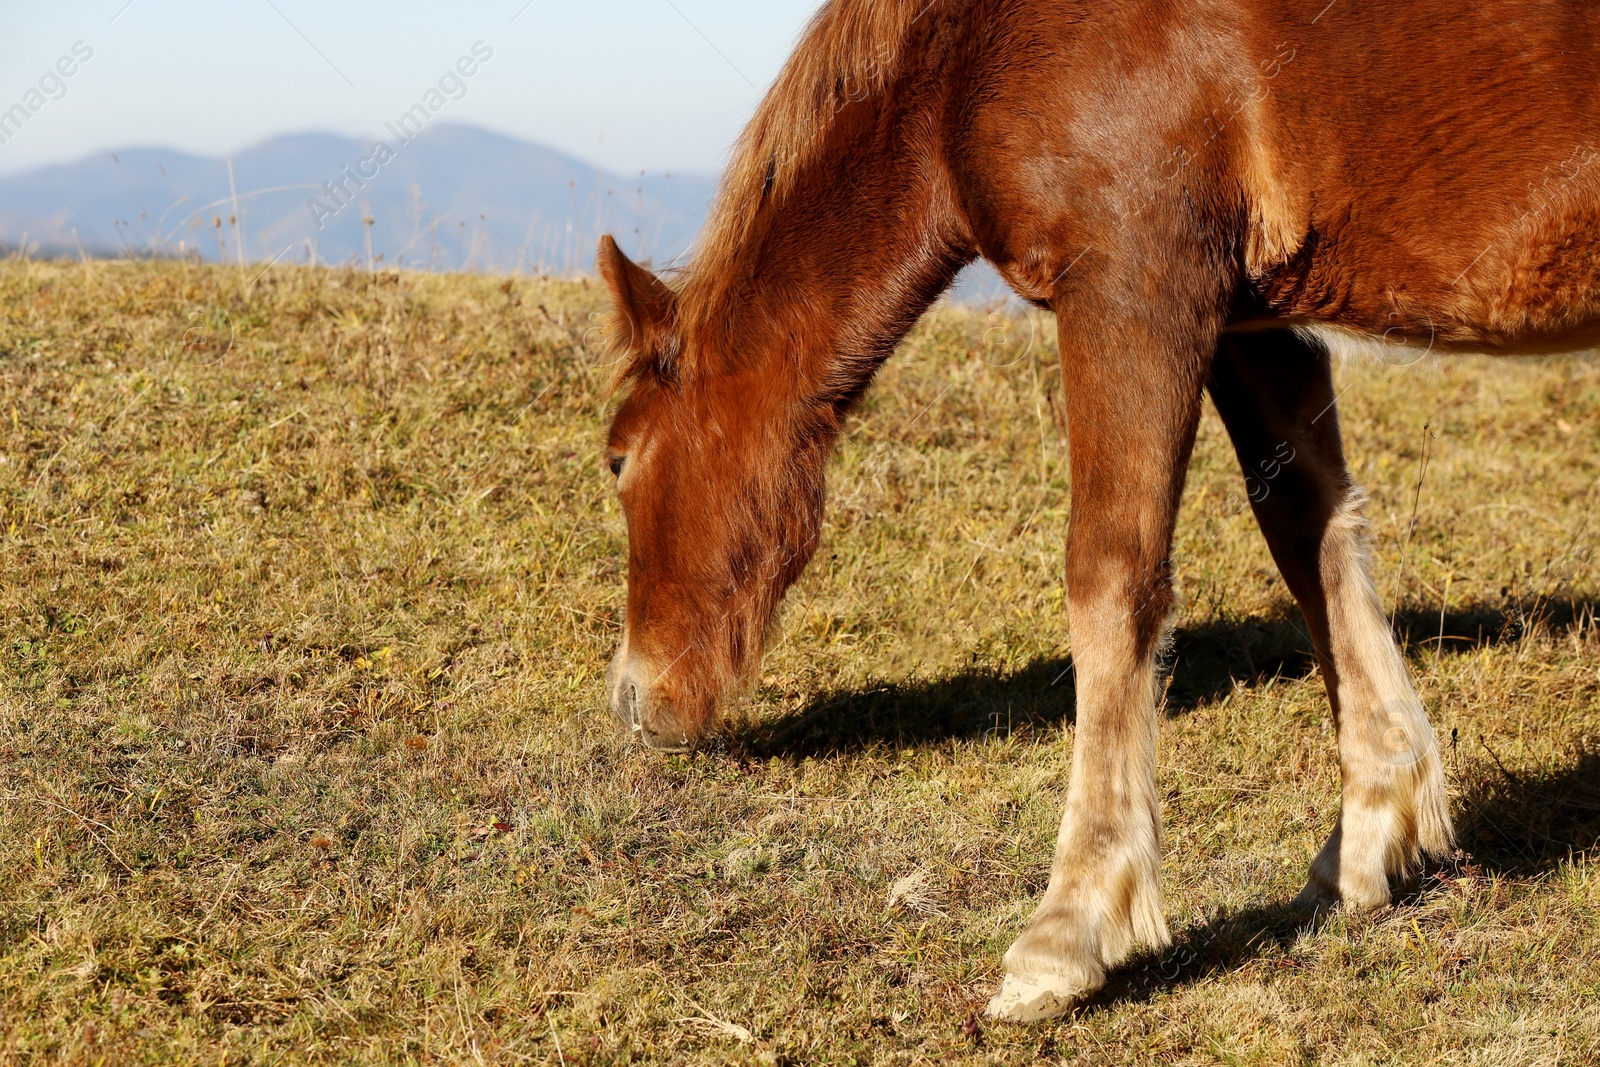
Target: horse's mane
851,49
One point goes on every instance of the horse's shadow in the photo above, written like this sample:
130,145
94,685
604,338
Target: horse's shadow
1207,662
1513,824
1507,824
1523,824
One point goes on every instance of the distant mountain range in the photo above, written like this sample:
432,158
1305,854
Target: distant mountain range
450,198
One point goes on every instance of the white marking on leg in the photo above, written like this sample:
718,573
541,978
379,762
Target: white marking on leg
1104,896
1393,806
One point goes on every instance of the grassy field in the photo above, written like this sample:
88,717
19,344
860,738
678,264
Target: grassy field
307,584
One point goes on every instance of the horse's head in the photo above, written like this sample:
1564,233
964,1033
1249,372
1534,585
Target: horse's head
720,472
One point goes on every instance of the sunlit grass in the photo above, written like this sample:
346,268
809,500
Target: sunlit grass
309,579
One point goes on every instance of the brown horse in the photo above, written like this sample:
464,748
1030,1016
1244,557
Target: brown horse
1211,195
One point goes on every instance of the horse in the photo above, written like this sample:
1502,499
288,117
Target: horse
1211,196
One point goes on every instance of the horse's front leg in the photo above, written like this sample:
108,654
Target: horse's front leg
1133,388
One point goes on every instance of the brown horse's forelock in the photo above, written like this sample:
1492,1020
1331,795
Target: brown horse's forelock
766,510
715,661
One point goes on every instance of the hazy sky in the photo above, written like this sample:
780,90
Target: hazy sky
629,84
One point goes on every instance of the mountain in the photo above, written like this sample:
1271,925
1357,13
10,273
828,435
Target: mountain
450,197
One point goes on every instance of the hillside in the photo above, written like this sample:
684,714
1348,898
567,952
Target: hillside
453,197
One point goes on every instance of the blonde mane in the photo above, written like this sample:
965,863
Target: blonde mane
852,49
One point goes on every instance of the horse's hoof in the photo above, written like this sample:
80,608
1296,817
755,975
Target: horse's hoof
1027,1000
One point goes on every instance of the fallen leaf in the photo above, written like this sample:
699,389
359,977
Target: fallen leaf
707,1021
918,892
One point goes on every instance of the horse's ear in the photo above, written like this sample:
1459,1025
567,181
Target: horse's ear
643,302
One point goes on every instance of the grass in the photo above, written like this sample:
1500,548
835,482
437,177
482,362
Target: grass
309,580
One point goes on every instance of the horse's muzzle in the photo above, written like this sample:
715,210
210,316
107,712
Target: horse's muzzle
645,715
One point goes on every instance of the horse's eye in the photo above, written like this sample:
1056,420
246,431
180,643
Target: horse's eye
615,463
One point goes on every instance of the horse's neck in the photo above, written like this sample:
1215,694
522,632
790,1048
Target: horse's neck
838,269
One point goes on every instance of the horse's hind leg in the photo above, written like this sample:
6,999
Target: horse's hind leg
1134,384
1275,393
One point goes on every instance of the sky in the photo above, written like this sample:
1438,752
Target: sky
627,84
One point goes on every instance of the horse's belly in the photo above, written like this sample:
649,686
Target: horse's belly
1532,286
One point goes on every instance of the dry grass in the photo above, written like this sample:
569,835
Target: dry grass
303,758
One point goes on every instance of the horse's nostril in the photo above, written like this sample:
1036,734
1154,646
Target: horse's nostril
630,707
